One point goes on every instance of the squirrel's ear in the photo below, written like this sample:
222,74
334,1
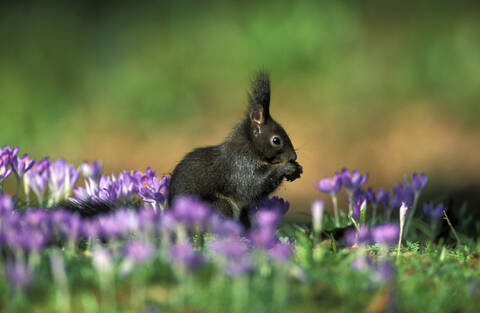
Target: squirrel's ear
259,101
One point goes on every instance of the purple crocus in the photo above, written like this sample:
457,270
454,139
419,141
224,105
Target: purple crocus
6,203
36,179
225,227
330,185
18,274
386,234
91,170
281,252
383,271
5,170
7,154
266,219
317,215
263,237
191,210
357,206
109,227
90,228
22,165
402,194
383,197
232,254
102,260
418,182
239,266
63,177
352,180
433,212
154,190
274,203
360,263
233,247
184,255
360,236
370,195
139,251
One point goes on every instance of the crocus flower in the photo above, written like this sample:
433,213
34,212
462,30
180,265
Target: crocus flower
402,194
22,165
360,263
330,185
91,170
433,212
191,210
102,260
139,251
7,154
63,177
36,179
383,197
360,236
6,203
184,255
317,215
274,203
239,266
386,234
370,195
90,228
18,273
281,252
266,218
154,190
263,237
225,227
383,271
352,181
358,204
168,221
418,182
232,247
403,213
5,170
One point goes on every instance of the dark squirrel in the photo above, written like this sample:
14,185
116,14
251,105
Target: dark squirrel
248,166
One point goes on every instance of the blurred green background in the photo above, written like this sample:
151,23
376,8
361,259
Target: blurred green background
383,86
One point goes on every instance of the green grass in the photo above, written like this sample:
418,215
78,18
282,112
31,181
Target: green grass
427,277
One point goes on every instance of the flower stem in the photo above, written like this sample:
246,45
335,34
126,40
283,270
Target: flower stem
335,210
374,213
15,197
350,204
459,242
410,216
399,241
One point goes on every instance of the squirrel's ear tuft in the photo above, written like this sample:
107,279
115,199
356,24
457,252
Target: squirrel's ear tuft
259,97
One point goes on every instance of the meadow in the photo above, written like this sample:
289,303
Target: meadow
385,87
377,255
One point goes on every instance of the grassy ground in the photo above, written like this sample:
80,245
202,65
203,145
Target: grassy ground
425,277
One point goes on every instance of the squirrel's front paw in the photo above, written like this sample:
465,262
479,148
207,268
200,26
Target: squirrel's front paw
294,170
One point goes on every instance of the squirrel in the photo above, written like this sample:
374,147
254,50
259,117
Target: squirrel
248,166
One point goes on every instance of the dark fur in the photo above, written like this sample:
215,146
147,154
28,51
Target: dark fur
246,167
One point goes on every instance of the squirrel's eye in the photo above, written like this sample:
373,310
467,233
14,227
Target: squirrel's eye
276,141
